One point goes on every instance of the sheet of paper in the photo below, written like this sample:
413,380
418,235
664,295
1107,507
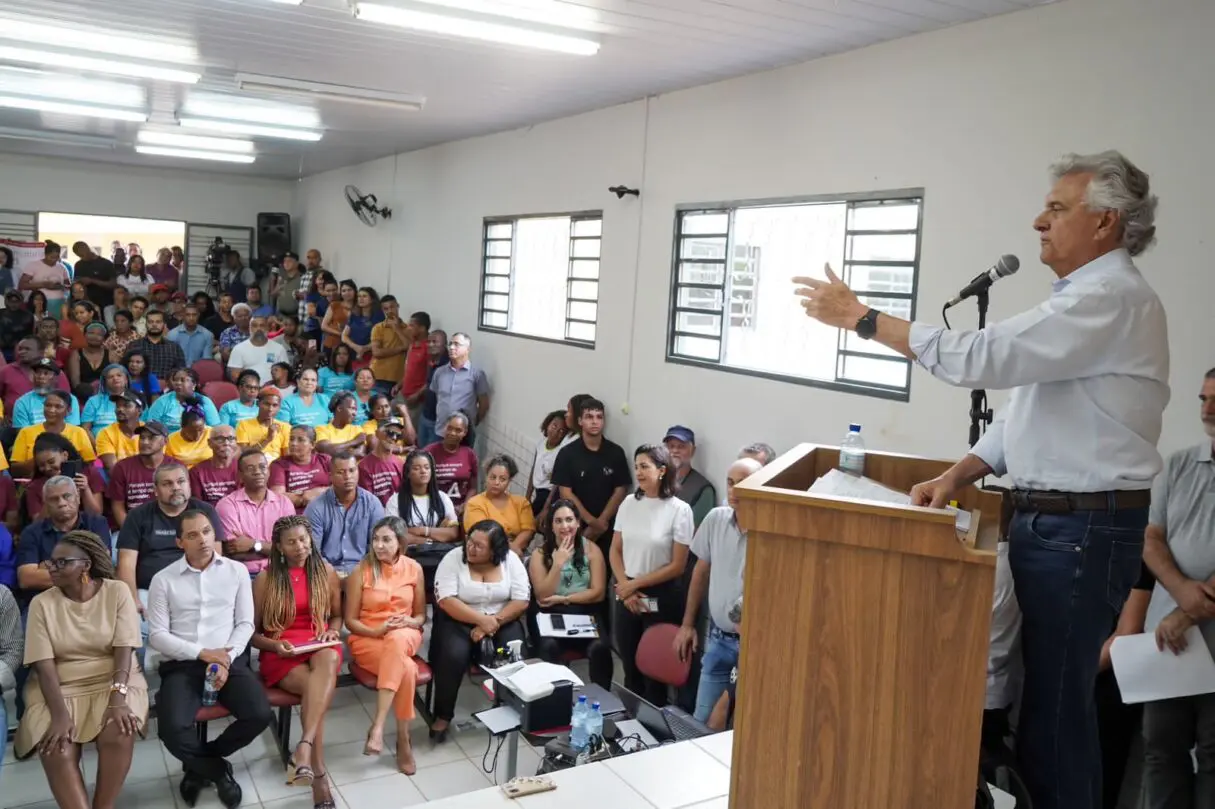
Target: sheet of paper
536,676
583,624
1146,674
840,484
500,719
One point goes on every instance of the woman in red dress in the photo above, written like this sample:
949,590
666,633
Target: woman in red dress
297,600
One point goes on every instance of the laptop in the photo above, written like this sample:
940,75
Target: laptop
664,726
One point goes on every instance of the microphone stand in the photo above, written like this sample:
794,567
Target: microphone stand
980,414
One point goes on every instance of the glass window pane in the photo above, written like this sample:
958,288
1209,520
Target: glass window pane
890,216
497,266
586,268
895,307
695,223
700,348
497,283
692,249
496,302
583,311
867,278
866,370
493,320
587,290
586,248
700,299
588,227
580,331
497,248
698,323
883,248
694,273
499,230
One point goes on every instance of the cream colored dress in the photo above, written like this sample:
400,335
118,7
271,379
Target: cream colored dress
80,638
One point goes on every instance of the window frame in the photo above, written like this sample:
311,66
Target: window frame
512,220
729,207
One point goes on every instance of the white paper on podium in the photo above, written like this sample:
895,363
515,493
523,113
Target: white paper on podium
1146,674
841,484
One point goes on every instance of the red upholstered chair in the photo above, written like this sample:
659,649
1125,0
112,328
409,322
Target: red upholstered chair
368,680
282,702
208,371
205,714
656,656
220,392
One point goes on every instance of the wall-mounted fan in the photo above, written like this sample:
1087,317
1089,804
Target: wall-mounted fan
366,207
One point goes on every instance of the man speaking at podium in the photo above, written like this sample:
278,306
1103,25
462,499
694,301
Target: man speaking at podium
1088,369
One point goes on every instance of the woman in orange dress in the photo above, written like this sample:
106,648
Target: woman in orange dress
385,613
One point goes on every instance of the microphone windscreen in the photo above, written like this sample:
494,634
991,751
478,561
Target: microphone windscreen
1007,265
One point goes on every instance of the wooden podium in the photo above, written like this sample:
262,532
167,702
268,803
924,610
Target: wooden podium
864,641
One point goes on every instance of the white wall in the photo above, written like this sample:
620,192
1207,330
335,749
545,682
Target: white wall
75,186
973,114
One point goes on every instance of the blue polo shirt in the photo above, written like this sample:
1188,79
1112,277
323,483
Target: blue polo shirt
28,410
38,540
296,413
167,410
196,345
233,411
341,533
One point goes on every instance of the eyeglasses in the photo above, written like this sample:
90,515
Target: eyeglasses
392,436
223,439
60,564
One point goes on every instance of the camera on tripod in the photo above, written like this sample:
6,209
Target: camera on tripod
216,254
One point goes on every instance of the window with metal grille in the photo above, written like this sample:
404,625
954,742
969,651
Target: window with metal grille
540,276
732,302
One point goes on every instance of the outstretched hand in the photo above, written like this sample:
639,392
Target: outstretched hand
830,302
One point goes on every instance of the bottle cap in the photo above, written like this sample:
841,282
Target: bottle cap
854,428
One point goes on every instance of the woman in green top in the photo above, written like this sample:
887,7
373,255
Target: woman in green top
569,577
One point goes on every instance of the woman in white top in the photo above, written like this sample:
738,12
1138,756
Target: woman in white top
427,511
539,483
483,593
649,550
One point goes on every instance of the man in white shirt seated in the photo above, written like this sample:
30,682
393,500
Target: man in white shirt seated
259,353
200,613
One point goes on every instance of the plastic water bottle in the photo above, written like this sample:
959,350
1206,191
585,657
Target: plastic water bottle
852,452
210,692
594,723
579,738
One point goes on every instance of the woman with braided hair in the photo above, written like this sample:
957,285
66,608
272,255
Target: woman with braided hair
297,600
80,641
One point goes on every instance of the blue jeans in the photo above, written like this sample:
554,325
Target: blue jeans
719,659
1072,574
426,432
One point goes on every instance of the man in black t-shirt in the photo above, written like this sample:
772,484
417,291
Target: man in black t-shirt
99,275
594,473
15,322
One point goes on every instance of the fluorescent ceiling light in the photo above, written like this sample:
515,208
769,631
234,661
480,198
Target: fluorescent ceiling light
475,29
57,138
21,81
194,154
288,2
70,108
330,92
545,12
231,107
195,142
248,128
26,32
94,65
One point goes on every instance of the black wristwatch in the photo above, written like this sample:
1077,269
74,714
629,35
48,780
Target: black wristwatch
866,327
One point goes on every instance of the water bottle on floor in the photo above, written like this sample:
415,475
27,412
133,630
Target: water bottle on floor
578,730
852,452
210,692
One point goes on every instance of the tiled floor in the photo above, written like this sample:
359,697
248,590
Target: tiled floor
357,780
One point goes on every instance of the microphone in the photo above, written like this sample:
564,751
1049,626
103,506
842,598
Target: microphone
1007,265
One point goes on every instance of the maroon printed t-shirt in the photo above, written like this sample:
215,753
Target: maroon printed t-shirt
381,478
456,471
33,491
296,478
209,482
131,483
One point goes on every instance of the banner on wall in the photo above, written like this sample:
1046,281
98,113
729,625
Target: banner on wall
23,253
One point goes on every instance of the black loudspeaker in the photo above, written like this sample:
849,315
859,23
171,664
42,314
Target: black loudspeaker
273,237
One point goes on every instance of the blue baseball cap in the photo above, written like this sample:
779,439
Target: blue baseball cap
681,433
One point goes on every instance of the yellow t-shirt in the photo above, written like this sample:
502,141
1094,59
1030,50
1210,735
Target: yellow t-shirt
113,441
251,432
516,519
334,435
390,368
189,452
23,447
3,460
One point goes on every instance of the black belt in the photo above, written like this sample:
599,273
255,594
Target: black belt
733,635
1051,502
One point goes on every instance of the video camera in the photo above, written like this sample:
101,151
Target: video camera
216,254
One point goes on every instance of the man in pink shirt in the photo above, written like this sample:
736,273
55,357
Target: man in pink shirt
249,513
163,271
17,378
49,275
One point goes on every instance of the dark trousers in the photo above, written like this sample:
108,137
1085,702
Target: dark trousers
628,628
597,651
1171,729
452,651
180,697
1072,574
1118,725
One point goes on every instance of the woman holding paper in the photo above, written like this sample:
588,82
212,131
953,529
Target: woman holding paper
297,603
569,577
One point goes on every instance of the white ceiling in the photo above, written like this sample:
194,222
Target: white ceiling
472,88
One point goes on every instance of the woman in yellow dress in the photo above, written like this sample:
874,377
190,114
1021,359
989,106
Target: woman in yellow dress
511,511
189,444
85,687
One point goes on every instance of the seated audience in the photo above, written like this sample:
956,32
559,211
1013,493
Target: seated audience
539,480
85,688
385,613
265,431
86,364
200,614
9,511
428,513
302,475
61,514
196,342
244,406
455,462
306,406
99,411
593,473
250,513
29,408
339,374
381,471
436,357
168,409
483,593
282,379
648,556
341,434
56,347
55,412
51,454
691,487
132,480
163,354
720,546
206,307
760,452
189,444
258,353
143,381
343,516
219,321
12,646
461,387
298,601
17,378
511,511
238,332
15,320
253,297
76,316
364,391
120,440
136,279
123,334
569,577
215,478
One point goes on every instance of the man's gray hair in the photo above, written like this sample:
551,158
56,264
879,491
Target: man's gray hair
242,307
1117,185
60,480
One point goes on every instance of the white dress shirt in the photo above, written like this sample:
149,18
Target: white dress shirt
454,580
1089,368
190,610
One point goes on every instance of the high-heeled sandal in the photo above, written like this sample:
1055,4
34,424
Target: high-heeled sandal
300,776
328,803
